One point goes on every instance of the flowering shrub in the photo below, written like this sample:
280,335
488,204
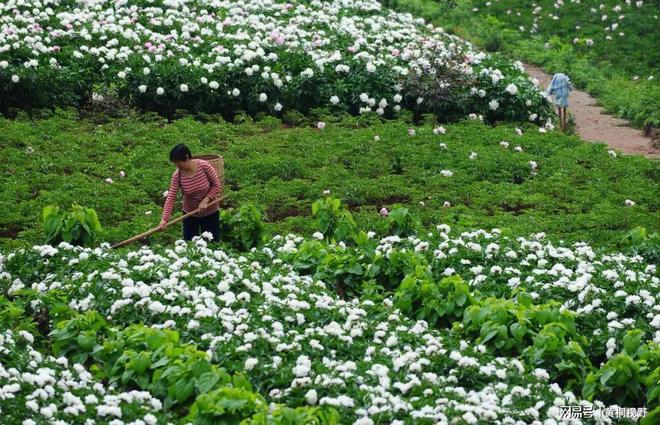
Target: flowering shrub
230,56
299,343
37,388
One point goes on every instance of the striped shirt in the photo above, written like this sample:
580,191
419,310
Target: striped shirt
204,182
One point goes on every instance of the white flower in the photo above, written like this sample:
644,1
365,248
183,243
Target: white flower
183,88
109,180
142,88
121,74
250,363
263,97
277,107
4,64
311,396
439,130
320,125
15,78
235,92
318,235
446,204
493,105
512,89
122,174
629,203
377,138
371,67
504,144
446,173
160,91
334,100
214,85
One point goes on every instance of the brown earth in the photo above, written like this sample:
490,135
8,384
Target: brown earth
594,125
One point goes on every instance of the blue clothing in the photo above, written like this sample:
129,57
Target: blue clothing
559,87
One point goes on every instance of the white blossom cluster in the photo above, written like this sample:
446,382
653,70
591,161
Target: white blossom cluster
254,313
259,52
39,389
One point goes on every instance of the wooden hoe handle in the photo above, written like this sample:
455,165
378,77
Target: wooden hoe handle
157,229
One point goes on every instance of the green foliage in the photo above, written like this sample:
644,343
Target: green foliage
225,405
243,227
78,226
402,222
628,376
76,338
639,241
284,415
439,303
578,193
333,219
543,334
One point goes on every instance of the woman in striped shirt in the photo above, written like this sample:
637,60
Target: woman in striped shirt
200,185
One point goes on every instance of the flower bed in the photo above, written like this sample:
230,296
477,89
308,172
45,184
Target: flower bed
265,313
256,56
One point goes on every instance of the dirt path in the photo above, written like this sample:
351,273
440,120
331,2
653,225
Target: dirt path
594,125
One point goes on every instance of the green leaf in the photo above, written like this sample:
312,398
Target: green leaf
206,382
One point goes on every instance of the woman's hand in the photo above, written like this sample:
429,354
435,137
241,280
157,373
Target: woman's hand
204,204
162,224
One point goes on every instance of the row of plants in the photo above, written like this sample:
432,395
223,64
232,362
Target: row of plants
468,175
301,344
350,56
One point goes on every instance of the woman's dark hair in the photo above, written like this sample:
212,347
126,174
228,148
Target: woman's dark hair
180,152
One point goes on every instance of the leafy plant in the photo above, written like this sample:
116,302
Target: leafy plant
402,222
333,219
226,405
629,376
439,303
243,228
78,226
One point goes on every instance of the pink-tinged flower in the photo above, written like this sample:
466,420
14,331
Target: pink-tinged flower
320,125
396,52
352,49
122,174
384,212
56,48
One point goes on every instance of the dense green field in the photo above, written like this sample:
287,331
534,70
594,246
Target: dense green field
621,72
577,192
